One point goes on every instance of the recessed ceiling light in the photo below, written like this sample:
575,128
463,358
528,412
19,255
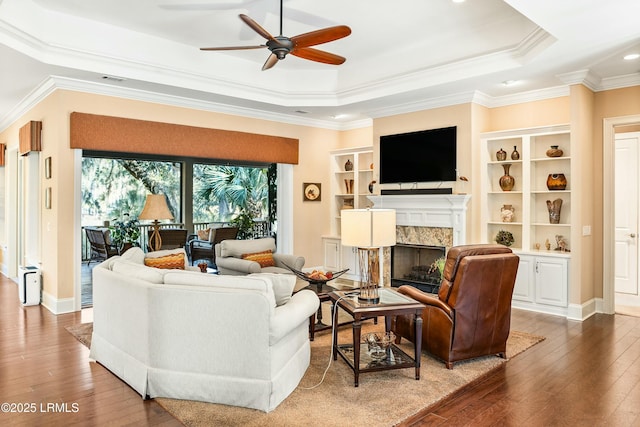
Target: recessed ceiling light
339,116
458,1
509,82
632,56
302,112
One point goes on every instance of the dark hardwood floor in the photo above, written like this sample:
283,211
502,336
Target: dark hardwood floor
584,373
45,370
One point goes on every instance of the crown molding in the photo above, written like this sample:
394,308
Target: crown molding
529,96
619,82
583,77
54,83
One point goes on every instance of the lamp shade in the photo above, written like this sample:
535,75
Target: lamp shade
155,208
368,228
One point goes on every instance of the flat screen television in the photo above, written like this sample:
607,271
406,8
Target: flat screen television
422,156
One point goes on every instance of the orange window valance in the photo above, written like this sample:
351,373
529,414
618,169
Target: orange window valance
117,134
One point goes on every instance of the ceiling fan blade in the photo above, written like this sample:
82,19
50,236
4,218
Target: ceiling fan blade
318,55
234,47
256,27
321,36
271,61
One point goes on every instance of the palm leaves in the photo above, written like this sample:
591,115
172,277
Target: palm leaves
226,191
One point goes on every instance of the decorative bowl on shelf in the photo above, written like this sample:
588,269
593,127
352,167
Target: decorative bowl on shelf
317,277
378,343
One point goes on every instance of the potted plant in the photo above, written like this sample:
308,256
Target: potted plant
125,232
245,224
438,266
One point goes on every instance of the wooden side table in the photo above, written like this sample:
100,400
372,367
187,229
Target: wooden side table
391,303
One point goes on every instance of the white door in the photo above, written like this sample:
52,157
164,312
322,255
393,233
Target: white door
626,219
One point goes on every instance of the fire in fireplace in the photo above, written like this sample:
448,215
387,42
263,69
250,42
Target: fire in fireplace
415,265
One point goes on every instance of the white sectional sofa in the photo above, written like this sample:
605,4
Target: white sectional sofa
234,340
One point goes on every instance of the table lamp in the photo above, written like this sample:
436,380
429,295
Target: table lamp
368,230
155,209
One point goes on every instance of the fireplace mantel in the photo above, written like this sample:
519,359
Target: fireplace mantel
429,210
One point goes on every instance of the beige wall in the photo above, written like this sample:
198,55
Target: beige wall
555,111
582,283
607,104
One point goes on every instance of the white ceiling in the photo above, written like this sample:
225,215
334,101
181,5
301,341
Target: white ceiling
401,56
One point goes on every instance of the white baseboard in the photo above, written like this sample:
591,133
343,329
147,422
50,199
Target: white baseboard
582,311
58,306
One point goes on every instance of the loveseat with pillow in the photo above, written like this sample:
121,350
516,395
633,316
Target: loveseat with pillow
239,257
182,334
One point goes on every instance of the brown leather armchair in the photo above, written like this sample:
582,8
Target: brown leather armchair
471,315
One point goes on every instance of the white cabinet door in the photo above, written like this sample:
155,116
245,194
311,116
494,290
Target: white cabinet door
350,261
332,256
551,281
525,280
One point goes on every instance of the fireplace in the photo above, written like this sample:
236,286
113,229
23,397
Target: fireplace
414,265
424,220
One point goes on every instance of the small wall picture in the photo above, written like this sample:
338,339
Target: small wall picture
47,168
311,192
47,198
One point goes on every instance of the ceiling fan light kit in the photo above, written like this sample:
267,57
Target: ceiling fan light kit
300,45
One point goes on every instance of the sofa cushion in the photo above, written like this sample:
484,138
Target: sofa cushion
137,271
282,285
235,248
169,262
193,278
264,258
162,253
134,254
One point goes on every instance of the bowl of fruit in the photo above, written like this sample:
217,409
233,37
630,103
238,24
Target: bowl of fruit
317,276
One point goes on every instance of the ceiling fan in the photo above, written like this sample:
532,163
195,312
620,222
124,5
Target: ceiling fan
299,45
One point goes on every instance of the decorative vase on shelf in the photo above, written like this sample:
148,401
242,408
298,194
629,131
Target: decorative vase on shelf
515,155
507,213
348,183
554,151
556,181
507,181
554,210
348,166
501,155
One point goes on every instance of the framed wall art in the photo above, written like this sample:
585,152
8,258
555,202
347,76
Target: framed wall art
311,192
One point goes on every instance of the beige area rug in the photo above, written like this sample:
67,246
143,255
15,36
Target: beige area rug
382,398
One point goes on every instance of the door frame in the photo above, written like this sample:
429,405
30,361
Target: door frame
608,208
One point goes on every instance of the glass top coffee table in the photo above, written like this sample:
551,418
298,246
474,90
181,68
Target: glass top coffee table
391,303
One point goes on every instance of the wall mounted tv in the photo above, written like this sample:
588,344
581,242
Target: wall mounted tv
422,156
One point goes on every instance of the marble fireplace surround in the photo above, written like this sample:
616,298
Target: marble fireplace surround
427,219
424,219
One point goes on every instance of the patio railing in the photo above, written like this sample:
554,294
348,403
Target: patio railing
260,229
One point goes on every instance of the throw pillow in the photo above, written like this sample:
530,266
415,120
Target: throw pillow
165,252
204,234
282,285
175,262
264,258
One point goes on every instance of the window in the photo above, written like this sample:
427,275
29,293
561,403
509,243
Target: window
115,187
